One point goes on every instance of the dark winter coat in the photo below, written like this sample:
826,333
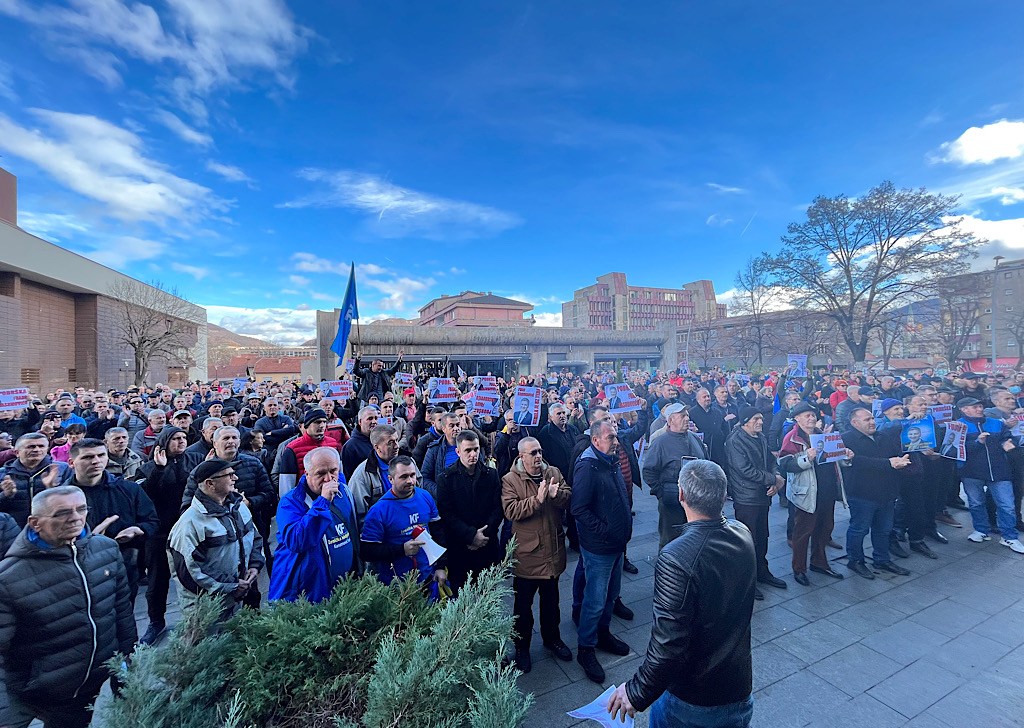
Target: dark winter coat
600,505
29,483
64,612
751,468
466,502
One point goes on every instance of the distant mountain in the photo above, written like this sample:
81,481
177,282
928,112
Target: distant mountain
220,338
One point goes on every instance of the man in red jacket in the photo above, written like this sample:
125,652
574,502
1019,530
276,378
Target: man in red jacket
314,435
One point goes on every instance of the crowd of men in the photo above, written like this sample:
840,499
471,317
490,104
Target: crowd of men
102,493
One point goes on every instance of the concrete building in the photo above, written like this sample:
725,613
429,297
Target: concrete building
59,323
612,304
503,350
470,308
1002,297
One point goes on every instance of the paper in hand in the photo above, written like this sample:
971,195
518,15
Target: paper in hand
430,547
597,711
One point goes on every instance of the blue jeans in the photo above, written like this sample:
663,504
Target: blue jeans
669,711
1002,494
868,516
604,577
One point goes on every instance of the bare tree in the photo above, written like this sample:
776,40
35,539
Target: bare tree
956,315
1014,325
889,332
807,332
755,297
704,339
153,321
855,260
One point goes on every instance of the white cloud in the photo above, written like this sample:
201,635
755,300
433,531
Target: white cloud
399,211
300,281
548,319
986,144
193,270
106,163
183,130
1009,195
335,297
7,82
726,189
1004,237
716,220
208,43
120,252
229,172
456,271
284,326
52,226
399,291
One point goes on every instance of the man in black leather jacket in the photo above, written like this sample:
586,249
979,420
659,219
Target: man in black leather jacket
698,667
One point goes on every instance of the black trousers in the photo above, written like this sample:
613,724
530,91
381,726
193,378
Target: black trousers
755,518
68,713
159,570
522,610
913,510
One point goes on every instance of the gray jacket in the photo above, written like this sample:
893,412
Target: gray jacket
663,460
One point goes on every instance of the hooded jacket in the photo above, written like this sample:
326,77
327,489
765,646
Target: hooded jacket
29,483
165,484
64,611
540,542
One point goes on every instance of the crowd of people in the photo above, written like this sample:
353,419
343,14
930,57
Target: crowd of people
210,485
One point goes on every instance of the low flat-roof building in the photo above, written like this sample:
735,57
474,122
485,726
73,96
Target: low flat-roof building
59,320
504,350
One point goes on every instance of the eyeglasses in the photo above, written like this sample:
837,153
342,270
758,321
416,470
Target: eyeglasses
68,513
536,452
222,475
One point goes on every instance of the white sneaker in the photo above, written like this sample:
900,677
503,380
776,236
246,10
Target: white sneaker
979,537
1014,545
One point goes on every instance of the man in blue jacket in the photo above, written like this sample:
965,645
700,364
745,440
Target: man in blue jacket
988,466
600,506
317,540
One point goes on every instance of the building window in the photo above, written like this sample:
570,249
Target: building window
1008,292
72,375
988,310
988,327
1008,274
821,348
670,296
30,376
1009,308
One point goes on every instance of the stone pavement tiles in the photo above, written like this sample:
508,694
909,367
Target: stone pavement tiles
941,648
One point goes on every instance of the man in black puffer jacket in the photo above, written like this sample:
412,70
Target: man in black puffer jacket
698,665
64,611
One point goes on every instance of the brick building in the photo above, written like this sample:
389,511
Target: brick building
612,304
470,308
58,323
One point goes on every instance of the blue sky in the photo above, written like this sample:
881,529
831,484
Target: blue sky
245,151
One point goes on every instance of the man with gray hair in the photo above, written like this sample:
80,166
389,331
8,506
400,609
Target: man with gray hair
122,460
854,400
371,479
317,537
204,444
359,447
32,471
697,671
57,636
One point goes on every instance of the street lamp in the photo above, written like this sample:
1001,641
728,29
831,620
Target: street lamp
995,339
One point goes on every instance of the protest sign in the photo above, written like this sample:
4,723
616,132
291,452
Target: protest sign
441,389
941,413
336,389
489,384
239,384
797,365
954,444
1017,429
403,379
526,406
350,364
382,420
876,408
918,435
621,398
484,404
13,399
830,447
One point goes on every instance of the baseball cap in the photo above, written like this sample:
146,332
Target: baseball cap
967,402
179,413
672,409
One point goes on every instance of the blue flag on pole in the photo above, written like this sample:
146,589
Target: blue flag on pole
349,312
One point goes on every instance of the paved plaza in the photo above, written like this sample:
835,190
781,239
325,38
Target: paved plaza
941,648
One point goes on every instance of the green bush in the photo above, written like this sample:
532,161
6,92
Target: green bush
371,655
